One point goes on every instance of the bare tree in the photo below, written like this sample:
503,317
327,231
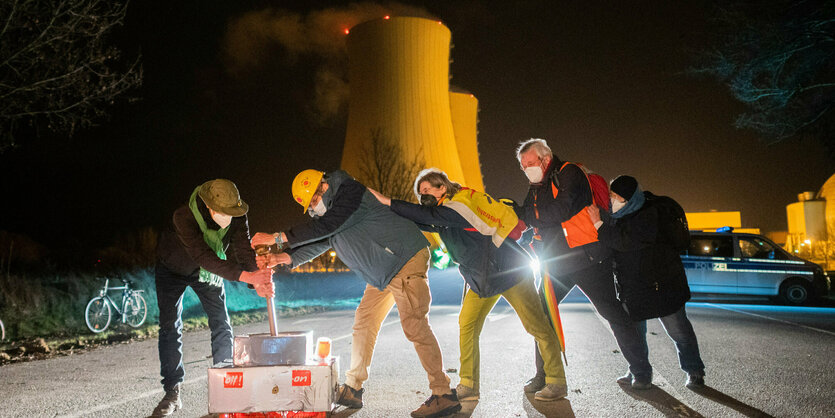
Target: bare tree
384,167
778,59
58,68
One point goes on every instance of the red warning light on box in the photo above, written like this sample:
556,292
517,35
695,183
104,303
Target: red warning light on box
301,378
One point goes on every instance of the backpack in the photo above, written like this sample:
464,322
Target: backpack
598,185
672,222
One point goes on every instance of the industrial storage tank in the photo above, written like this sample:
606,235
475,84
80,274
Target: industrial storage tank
399,93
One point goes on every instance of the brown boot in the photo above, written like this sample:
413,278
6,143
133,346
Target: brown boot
169,403
438,406
350,397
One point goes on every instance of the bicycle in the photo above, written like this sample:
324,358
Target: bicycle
133,310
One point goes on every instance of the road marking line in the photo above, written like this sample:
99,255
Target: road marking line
655,375
158,392
773,319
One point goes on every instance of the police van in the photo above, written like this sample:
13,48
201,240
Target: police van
751,265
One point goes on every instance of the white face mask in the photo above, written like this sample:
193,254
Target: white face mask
617,205
222,220
534,174
318,209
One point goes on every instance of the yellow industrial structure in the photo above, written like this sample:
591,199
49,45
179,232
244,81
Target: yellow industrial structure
710,221
399,92
464,108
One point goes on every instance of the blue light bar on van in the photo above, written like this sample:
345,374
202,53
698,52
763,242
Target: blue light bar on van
725,229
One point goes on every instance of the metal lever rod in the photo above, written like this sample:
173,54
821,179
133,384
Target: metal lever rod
271,316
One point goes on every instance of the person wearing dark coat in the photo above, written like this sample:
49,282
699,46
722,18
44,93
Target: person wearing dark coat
566,244
207,242
649,273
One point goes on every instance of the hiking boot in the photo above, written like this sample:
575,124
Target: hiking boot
438,406
641,382
169,403
535,384
695,381
350,397
551,392
466,393
625,379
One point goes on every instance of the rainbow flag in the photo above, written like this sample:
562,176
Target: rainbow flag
552,306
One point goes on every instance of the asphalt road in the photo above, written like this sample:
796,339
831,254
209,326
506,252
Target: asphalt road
762,360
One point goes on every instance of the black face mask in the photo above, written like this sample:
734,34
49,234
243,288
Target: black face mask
428,200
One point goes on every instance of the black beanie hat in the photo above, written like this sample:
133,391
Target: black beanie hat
624,186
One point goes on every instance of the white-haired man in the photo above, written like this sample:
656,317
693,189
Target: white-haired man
566,243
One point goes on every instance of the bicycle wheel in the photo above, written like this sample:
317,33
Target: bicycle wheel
135,310
2,331
97,314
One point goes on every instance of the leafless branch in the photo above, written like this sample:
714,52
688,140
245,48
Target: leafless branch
58,67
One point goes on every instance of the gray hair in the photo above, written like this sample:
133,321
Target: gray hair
436,178
538,145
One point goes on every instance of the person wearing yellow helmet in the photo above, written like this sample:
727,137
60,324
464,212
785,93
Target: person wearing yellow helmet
389,253
308,188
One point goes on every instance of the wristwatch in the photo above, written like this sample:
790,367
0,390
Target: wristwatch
278,243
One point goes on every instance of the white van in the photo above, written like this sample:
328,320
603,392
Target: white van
750,264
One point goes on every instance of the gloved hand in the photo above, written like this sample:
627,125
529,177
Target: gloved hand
513,204
256,278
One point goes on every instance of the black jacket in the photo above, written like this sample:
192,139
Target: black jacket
574,194
182,250
488,270
650,275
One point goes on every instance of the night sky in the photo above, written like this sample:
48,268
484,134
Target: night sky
603,82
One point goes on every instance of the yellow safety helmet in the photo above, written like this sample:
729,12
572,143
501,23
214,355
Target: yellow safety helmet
305,185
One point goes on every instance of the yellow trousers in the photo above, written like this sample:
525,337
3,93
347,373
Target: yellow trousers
409,289
526,302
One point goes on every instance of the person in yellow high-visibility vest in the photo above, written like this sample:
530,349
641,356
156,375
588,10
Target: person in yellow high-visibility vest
480,234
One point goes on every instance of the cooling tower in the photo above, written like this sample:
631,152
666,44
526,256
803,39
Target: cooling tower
464,110
399,81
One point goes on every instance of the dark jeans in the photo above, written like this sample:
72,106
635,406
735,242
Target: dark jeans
598,283
680,330
170,289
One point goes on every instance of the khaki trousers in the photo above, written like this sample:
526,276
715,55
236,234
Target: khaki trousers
409,289
525,301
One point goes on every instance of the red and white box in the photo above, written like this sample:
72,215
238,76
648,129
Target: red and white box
309,387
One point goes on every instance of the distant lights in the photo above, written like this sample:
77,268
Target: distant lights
387,17
347,31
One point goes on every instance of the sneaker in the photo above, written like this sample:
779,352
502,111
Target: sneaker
695,381
466,393
438,406
625,379
551,392
535,384
350,397
170,402
641,382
